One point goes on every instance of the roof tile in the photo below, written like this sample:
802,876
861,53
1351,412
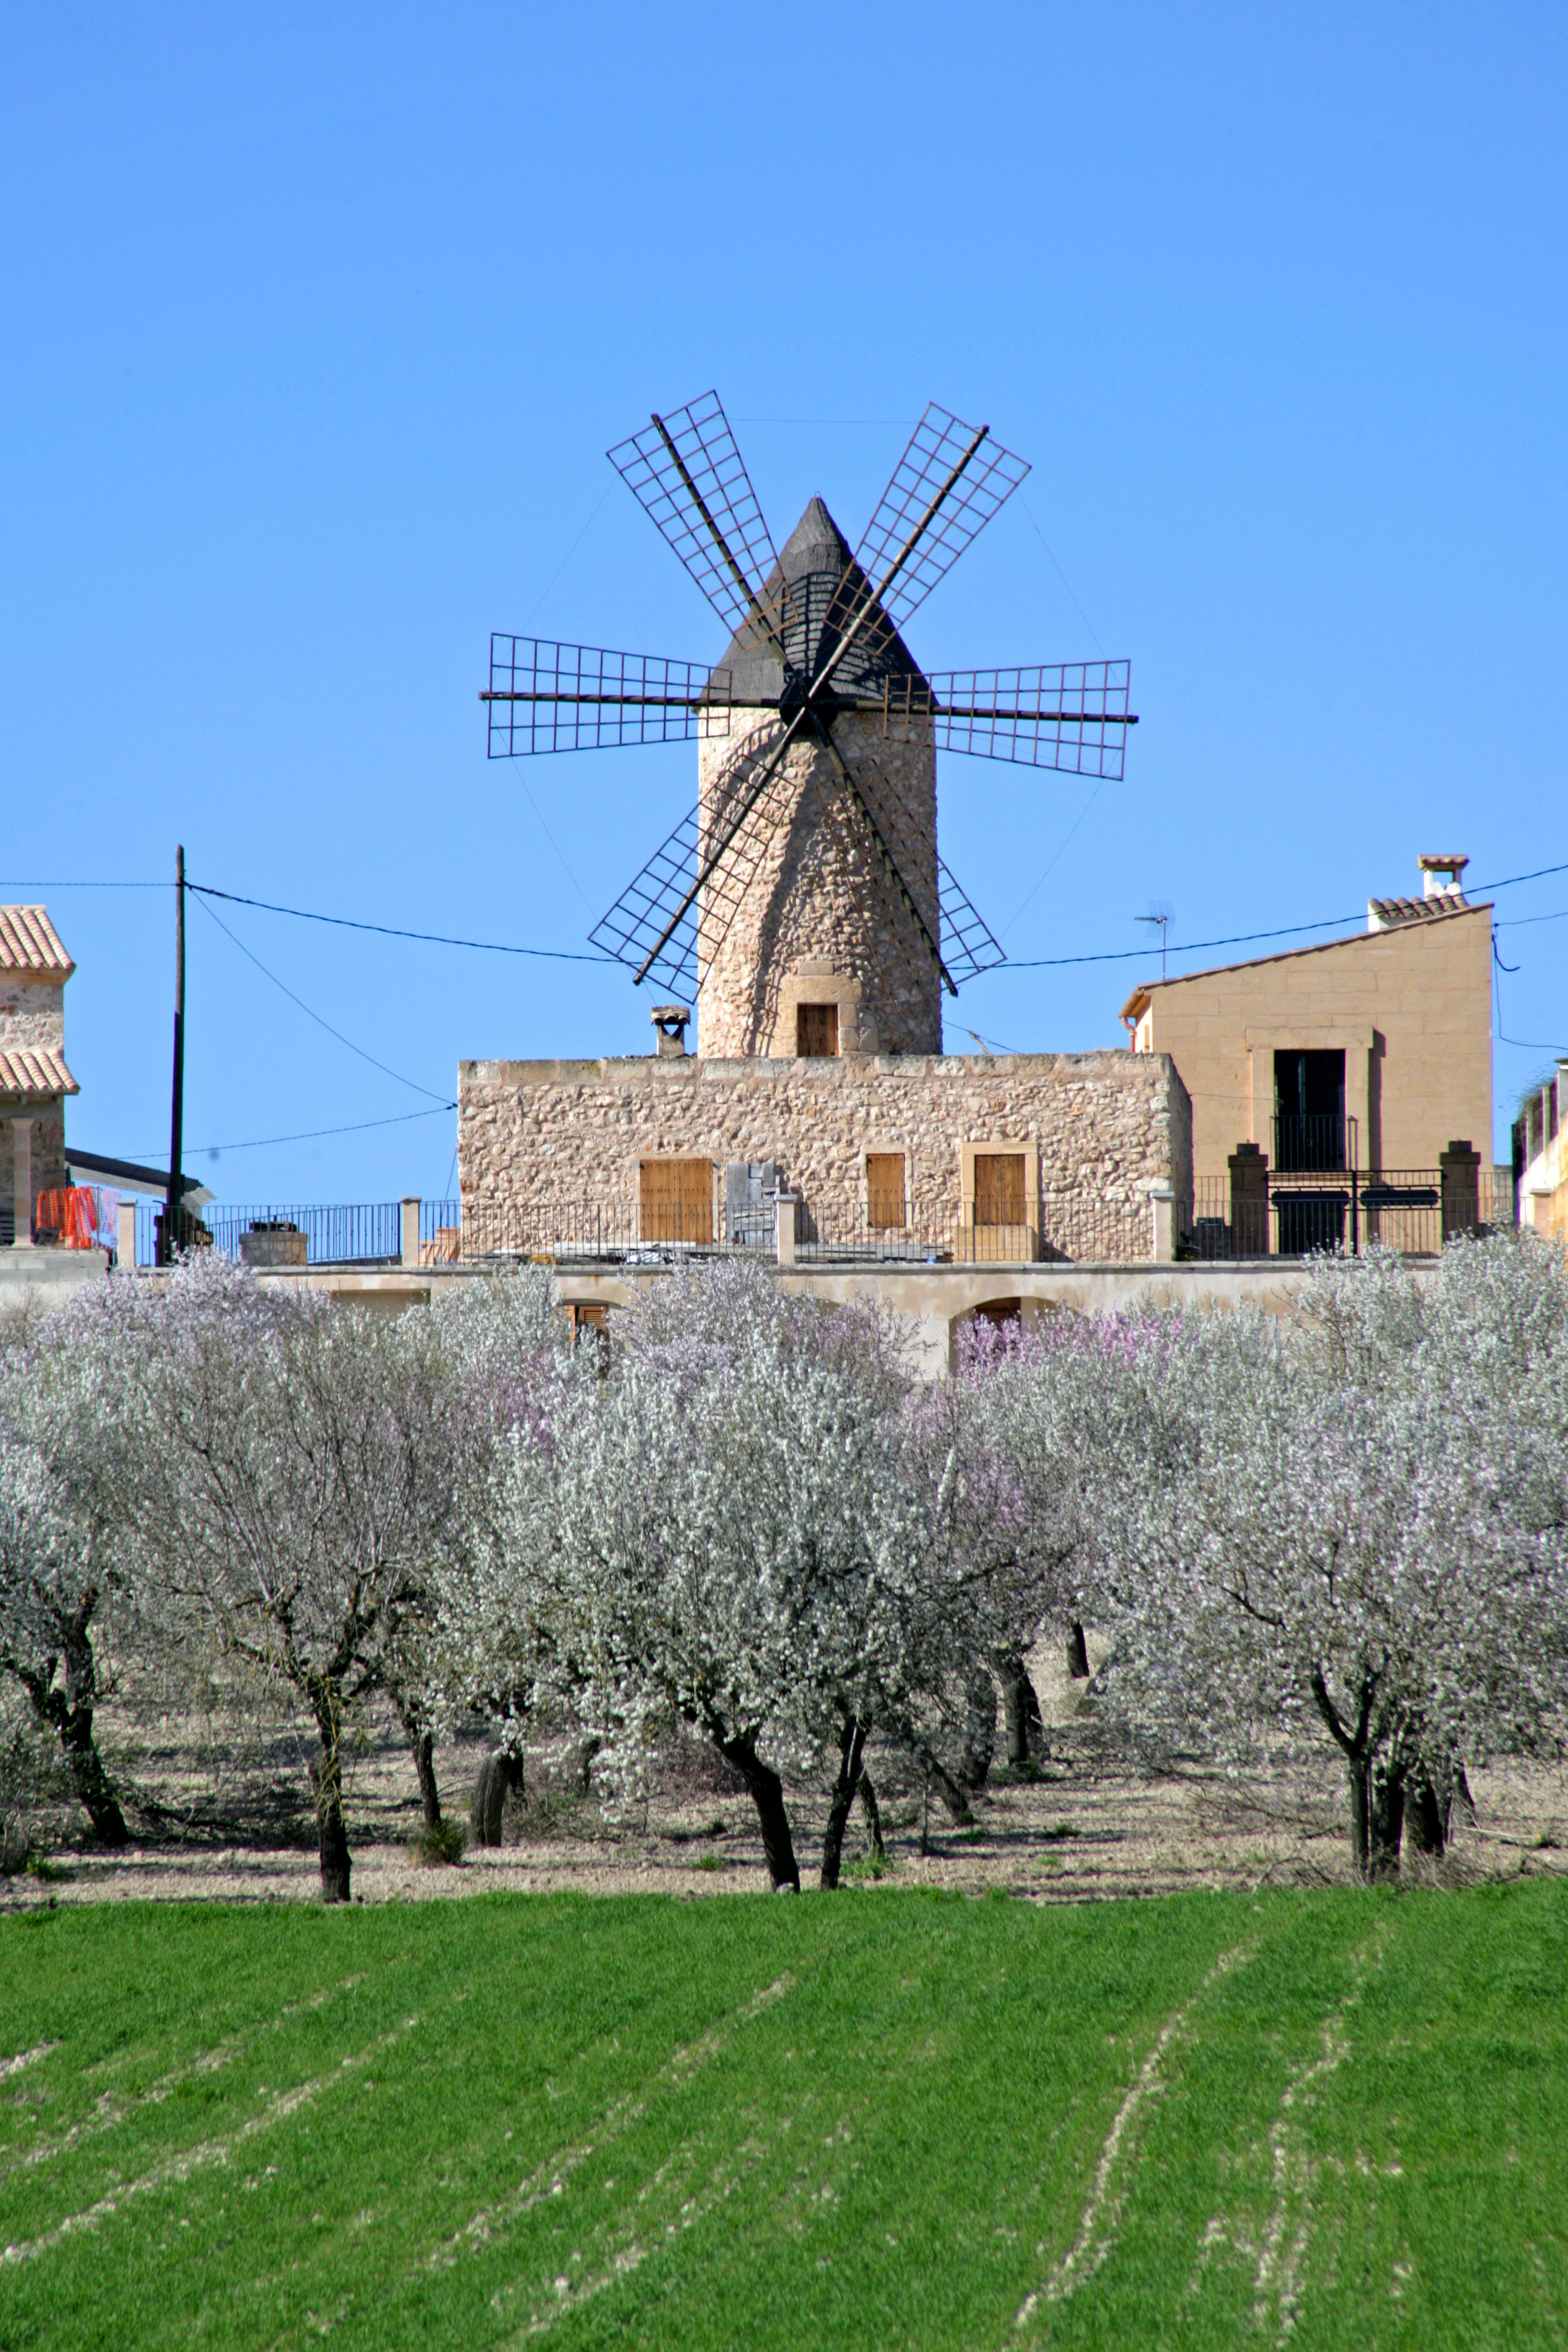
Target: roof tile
35,1070
30,943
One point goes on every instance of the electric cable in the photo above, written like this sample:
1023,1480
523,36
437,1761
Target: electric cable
384,1067
309,1135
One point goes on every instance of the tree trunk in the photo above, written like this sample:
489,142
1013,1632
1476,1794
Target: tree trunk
499,1776
1077,1653
327,1779
1020,1709
852,1746
1427,1816
89,1780
1385,1823
766,1791
873,1818
422,1743
932,1765
68,1713
979,1732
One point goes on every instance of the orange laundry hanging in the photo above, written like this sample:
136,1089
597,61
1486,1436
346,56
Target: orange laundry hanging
66,1211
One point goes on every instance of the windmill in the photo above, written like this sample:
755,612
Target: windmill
808,875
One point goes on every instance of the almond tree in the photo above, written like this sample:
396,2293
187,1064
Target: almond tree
299,1471
56,1554
1357,1522
718,1534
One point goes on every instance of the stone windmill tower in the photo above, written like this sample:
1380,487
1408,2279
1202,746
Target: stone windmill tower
804,903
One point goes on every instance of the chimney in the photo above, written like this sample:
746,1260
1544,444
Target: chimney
670,1020
1440,877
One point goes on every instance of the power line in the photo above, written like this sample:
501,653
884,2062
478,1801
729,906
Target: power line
390,931
1287,932
314,1134
384,1067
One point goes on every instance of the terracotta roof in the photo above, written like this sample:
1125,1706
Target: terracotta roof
30,943
1416,910
35,1070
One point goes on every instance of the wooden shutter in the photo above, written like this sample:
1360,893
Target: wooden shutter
817,1030
676,1199
885,1188
999,1188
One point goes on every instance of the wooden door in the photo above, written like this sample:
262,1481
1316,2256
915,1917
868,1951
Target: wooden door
817,1030
676,1199
884,1189
999,1188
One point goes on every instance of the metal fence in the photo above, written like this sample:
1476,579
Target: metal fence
1290,1213
360,1233
1082,1231
587,1232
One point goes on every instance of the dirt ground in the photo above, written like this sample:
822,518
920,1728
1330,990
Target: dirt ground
227,1819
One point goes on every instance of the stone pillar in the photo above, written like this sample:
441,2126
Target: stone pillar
22,1189
409,1234
1461,1181
786,1207
126,1236
1248,1201
1162,1222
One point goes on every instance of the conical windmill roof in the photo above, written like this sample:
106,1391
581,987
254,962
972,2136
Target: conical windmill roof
813,566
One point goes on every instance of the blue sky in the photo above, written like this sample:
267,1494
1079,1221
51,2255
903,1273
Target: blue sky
319,321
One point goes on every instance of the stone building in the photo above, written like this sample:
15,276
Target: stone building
34,1079
820,1082
1370,1055
1388,1035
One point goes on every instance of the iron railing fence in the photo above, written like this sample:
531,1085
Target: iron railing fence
1291,1212
585,1233
1079,1231
359,1233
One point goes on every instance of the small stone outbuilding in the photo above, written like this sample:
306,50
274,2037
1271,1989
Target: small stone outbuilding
34,1079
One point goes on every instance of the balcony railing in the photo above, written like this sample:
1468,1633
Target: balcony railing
1308,1143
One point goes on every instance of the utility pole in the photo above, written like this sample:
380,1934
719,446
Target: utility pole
177,1099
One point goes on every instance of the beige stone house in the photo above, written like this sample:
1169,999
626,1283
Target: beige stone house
34,1079
1370,1055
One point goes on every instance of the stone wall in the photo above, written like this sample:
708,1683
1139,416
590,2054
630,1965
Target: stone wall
802,910
1099,1127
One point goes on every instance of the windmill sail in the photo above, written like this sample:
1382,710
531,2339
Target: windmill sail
686,473
549,698
944,490
1070,715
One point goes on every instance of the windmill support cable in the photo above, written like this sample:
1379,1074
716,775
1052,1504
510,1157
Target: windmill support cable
852,787
771,765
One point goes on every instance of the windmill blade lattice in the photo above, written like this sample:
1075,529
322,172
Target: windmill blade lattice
1070,715
686,471
550,698
946,487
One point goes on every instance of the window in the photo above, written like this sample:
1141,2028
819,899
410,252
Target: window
885,1188
676,1199
999,1188
1308,1109
816,1031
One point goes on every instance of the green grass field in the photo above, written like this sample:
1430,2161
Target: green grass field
870,2119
